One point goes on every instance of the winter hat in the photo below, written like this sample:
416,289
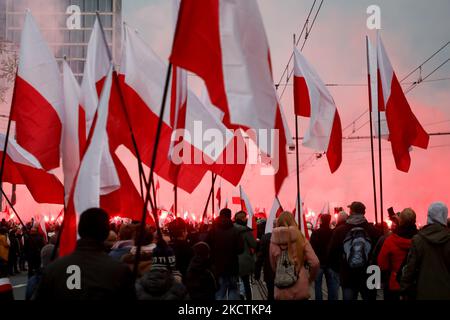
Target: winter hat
201,249
225,212
357,207
438,213
163,257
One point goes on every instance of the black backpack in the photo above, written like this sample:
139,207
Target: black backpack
357,247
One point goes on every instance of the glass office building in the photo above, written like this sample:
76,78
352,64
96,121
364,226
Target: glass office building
66,25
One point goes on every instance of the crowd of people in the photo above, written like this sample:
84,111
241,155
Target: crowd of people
225,259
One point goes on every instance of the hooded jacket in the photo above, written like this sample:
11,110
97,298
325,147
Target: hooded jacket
427,272
160,284
246,258
226,245
336,257
392,254
281,237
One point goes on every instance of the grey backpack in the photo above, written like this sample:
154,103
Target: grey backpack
357,246
286,274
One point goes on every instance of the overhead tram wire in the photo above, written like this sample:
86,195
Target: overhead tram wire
402,81
308,32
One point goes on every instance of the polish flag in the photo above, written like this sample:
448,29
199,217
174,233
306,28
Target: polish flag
224,42
142,78
247,207
42,229
37,100
219,196
72,133
22,168
373,80
125,201
405,130
88,185
275,212
302,225
313,100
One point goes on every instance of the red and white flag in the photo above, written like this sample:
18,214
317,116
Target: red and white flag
22,168
42,229
313,100
405,130
224,42
373,79
73,135
219,196
247,207
275,212
142,77
298,212
37,99
88,186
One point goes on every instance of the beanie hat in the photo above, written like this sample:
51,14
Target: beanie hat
438,213
94,224
201,249
163,257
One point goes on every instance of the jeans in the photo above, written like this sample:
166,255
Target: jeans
247,287
350,294
228,288
332,279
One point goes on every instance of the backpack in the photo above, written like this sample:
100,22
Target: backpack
286,274
357,246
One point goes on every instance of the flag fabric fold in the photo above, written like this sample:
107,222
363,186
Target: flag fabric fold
37,98
229,35
405,130
313,100
22,168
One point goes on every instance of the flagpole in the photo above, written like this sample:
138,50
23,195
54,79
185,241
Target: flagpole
12,207
297,158
209,198
125,111
380,166
371,132
212,191
175,202
8,131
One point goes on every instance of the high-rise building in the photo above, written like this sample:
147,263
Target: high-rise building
66,25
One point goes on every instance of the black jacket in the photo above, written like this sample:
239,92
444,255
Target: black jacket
336,257
102,278
160,284
183,255
320,240
226,245
426,275
200,281
263,259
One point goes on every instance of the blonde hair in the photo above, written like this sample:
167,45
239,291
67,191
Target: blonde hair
286,219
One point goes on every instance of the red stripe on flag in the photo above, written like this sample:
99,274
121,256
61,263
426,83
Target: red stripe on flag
334,152
301,97
38,127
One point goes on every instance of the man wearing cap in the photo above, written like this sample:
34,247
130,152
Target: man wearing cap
350,252
426,275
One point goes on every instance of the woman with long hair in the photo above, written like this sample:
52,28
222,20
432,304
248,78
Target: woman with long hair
287,236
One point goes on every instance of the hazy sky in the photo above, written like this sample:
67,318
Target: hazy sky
411,29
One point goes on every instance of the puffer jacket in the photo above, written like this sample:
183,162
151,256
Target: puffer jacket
300,290
392,254
160,284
